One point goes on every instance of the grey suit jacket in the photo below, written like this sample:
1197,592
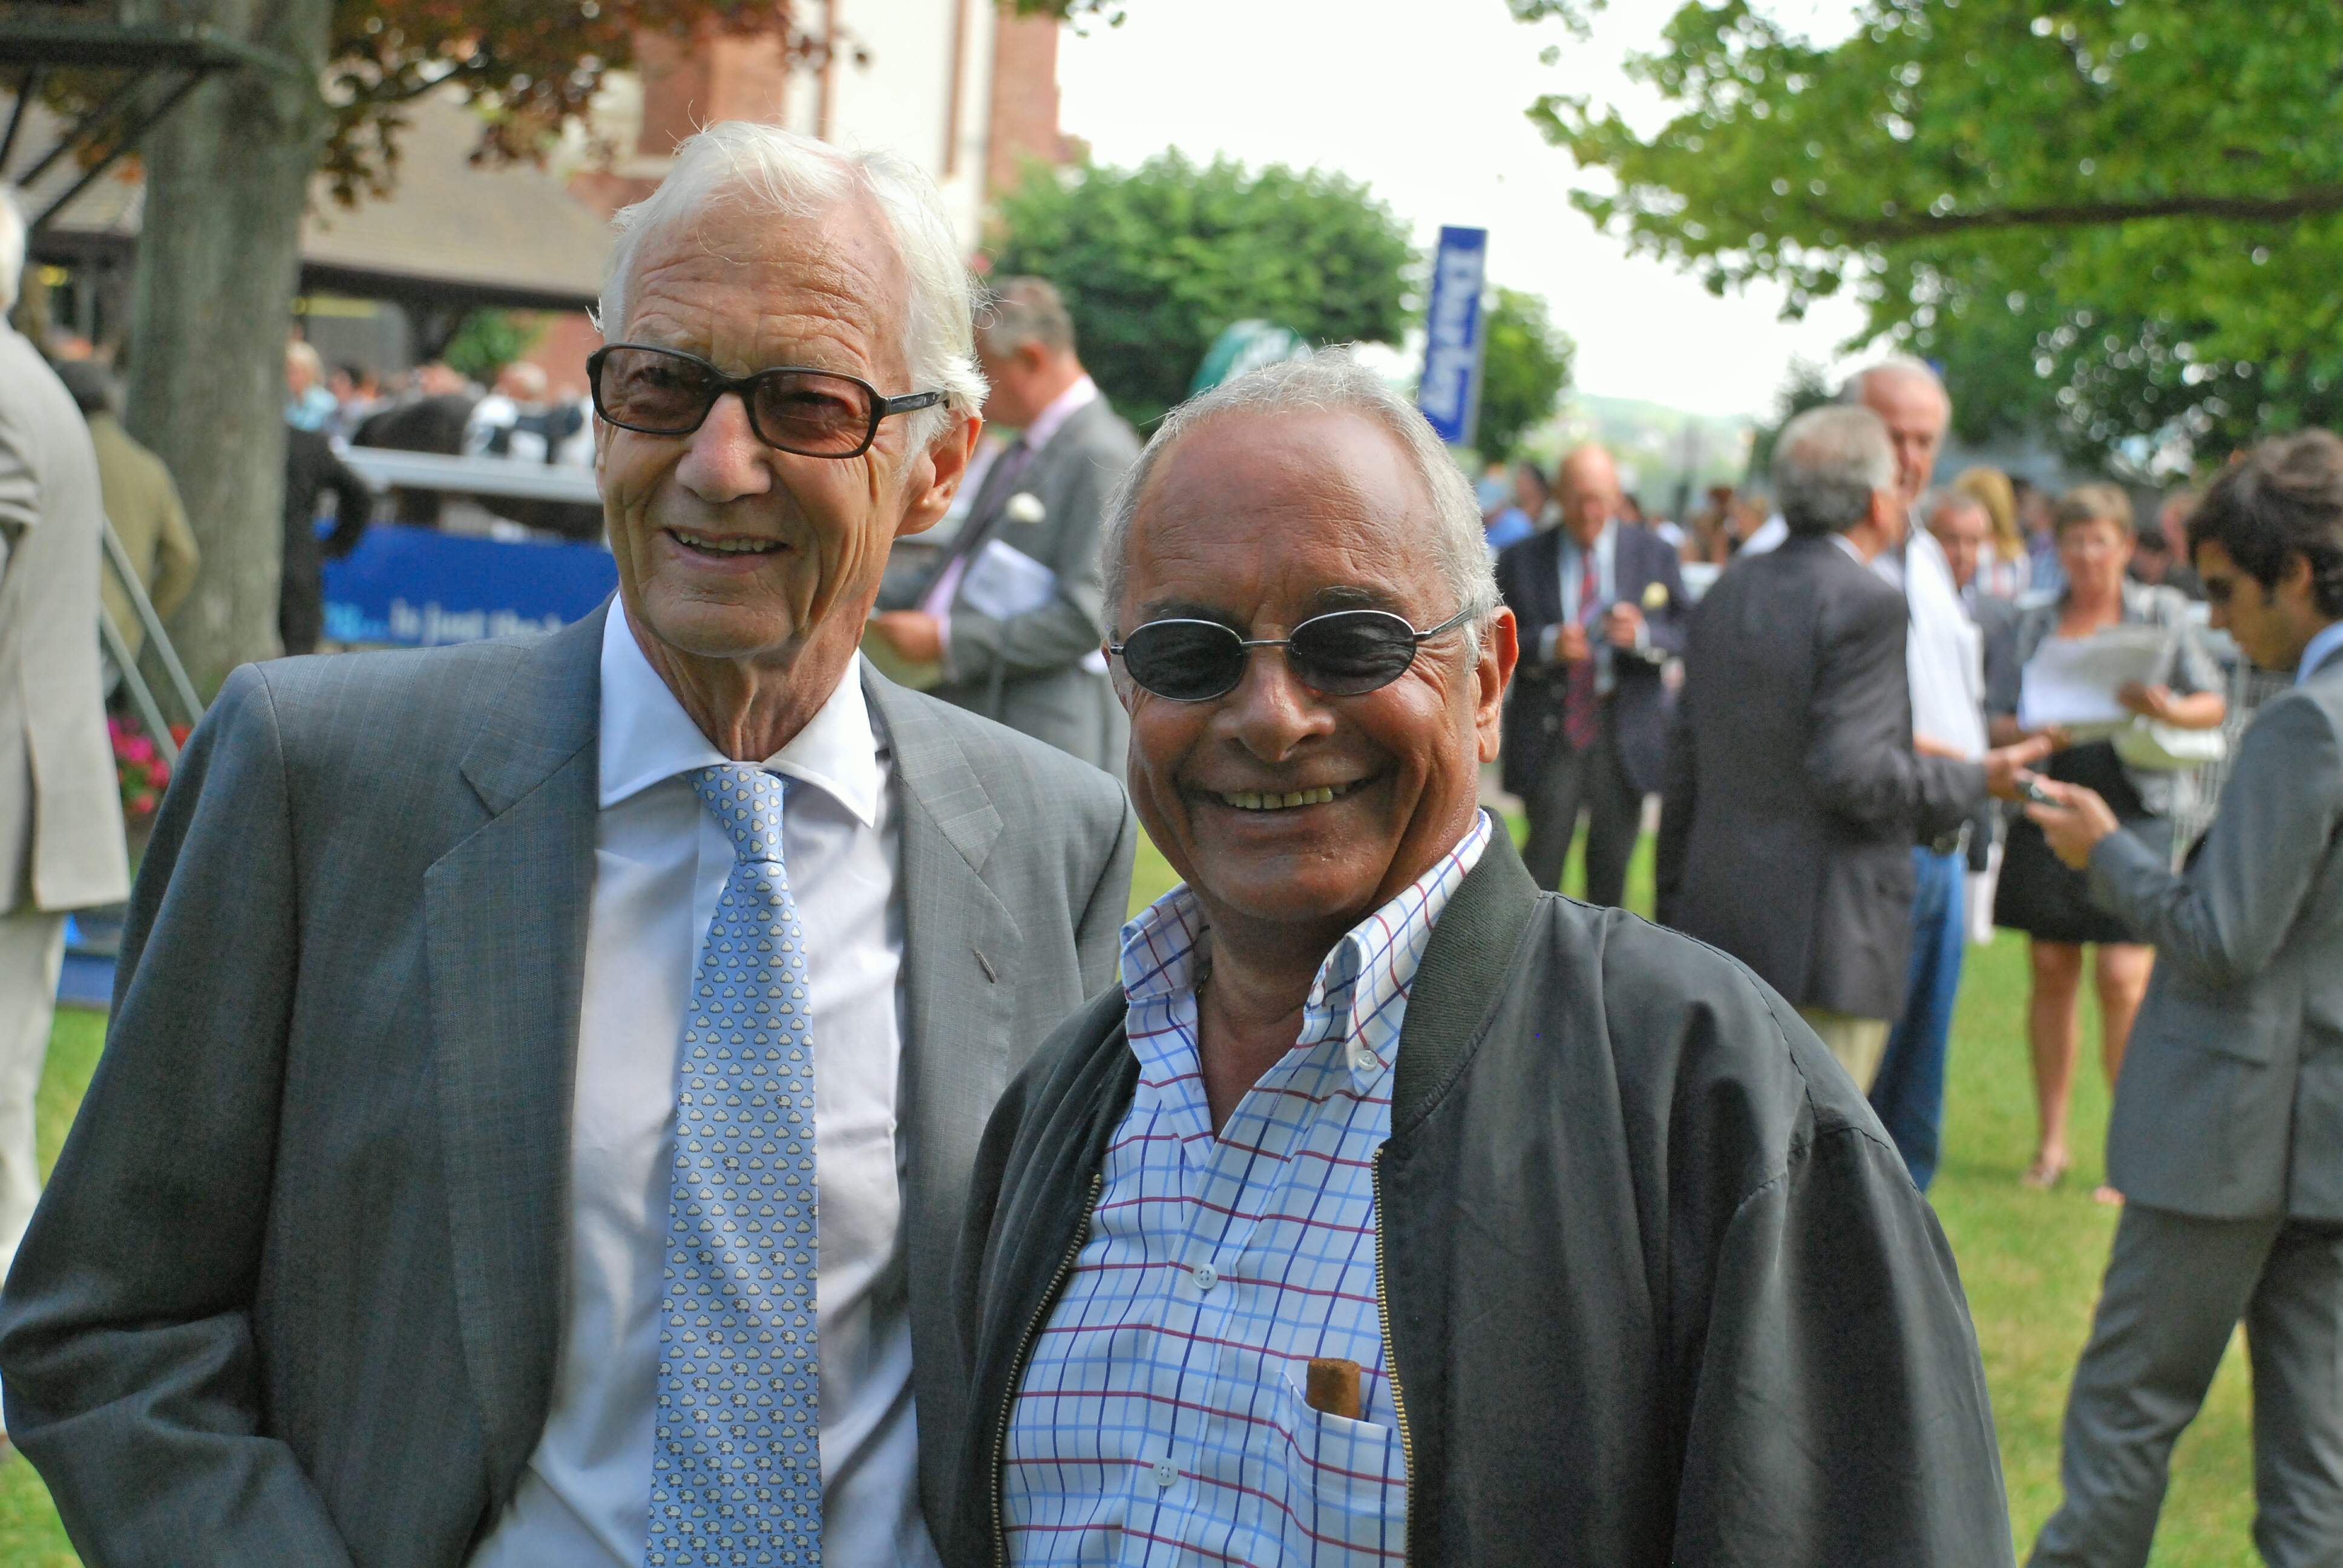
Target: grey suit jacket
1794,796
295,1294
1027,670
2231,1103
60,807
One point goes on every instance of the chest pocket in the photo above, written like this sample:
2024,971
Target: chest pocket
1345,1481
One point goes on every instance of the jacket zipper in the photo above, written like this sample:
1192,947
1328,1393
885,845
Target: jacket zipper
1025,1349
1391,1359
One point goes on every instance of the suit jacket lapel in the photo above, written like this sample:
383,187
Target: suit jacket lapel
505,912
1462,978
961,955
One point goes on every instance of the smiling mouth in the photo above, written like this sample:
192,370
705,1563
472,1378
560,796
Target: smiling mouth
704,545
1248,801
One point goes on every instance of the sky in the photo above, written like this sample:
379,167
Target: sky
1425,102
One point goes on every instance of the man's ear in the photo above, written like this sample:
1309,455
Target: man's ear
936,474
1500,651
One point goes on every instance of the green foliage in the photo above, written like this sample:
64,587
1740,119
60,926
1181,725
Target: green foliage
1804,388
491,339
1524,369
1155,262
2116,217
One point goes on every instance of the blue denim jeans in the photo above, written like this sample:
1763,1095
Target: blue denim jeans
1910,1093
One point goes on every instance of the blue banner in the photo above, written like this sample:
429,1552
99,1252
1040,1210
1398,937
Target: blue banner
1450,393
418,587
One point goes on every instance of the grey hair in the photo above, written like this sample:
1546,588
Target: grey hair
1024,310
1326,381
1948,499
772,172
1903,365
1827,463
11,249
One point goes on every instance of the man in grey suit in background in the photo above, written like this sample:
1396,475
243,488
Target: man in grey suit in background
434,1202
2226,1134
1011,612
60,808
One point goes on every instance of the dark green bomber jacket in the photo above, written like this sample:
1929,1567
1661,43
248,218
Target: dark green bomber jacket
1655,1286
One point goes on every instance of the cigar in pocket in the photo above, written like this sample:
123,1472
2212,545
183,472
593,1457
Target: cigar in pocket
1334,1388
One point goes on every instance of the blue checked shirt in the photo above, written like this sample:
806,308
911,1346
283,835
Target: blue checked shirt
1161,1419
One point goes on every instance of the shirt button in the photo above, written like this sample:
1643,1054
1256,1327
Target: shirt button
1205,1275
1166,1473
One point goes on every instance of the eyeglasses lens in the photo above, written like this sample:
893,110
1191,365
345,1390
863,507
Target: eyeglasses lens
1352,652
802,411
1186,660
1344,654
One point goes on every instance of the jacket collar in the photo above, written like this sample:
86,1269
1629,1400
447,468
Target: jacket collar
1462,978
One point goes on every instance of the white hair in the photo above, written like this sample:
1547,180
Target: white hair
1827,464
11,249
1327,381
1901,365
770,171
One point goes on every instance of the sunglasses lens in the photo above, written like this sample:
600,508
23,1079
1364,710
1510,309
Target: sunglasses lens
644,389
816,415
1186,660
1351,651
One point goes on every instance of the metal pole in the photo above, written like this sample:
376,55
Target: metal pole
119,558
150,715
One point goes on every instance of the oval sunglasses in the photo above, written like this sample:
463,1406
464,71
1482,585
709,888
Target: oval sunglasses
813,413
1345,653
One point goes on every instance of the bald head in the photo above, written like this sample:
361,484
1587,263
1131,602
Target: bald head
1588,487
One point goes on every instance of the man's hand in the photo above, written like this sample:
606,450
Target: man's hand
1623,626
913,633
1569,643
2079,821
2004,764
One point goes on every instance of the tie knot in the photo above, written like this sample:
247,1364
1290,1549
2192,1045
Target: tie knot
745,802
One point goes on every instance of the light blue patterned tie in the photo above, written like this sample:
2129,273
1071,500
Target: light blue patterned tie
736,1474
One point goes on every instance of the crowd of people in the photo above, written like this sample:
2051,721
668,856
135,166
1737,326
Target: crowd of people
675,1091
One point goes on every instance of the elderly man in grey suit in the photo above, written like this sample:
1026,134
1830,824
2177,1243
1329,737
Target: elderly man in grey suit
493,1018
60,808
2227,1136
1012,611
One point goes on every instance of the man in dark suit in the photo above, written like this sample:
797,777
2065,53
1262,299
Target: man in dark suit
1012,611
1586,719
1794,794
2227,1136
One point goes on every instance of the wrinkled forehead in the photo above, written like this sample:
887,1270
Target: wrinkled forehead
731,276
1301,507
1908,402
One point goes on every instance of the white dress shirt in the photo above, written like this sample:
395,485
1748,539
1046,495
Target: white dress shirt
1944,652
1572,565
659,866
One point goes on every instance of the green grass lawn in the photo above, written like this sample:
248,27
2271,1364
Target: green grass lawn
2031,1261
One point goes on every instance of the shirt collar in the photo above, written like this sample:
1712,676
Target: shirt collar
646,737
1374,962
1843,542
1062,407
2315,653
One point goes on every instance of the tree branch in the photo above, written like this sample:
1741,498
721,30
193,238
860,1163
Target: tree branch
2312,201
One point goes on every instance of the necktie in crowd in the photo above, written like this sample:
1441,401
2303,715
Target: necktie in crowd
1579,704
735,1472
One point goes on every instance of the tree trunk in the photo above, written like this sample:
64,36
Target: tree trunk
227,179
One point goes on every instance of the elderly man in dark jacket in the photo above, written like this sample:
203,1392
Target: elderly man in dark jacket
1390,1209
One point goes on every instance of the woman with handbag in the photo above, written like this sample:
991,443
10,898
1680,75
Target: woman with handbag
2139,775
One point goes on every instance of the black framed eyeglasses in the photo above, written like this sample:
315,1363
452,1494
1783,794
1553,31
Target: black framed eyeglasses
1345,653
813,413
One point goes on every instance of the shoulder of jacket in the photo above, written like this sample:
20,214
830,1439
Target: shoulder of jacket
1025,777
397,698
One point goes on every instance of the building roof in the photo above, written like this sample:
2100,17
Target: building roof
509,235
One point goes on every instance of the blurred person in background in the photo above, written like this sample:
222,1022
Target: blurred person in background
2226,1133
1794,792
1010,613
141,502
2004,568
1519,517
1600,607
60,845
2050,903
2159,556
357,393
309,403
2034,522
313,469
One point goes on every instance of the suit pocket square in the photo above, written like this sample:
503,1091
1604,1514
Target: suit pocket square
1024,507
1656,596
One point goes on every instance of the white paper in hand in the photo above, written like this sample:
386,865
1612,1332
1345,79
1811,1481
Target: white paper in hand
1004,582
2072,680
